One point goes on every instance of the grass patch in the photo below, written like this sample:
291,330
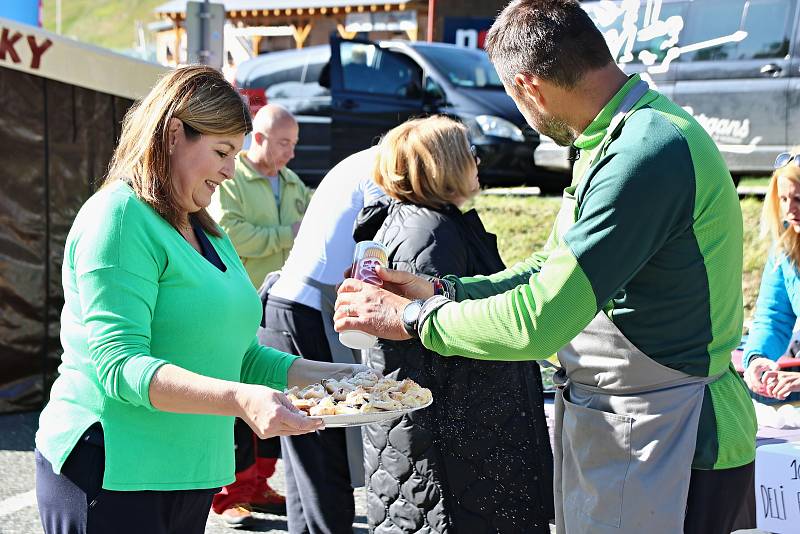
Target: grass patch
107,23
522,225
754,181
755,254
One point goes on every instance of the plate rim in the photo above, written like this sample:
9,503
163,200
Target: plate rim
390,414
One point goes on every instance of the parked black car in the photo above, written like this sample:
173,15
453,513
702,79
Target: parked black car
349,93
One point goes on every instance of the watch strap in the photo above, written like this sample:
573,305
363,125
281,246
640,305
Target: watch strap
428,308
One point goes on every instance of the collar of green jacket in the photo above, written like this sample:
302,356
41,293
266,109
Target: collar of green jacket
596,131
249,172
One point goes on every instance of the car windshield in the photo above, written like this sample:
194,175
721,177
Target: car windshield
464,67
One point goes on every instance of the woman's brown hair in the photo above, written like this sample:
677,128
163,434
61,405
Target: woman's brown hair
206,103
426,162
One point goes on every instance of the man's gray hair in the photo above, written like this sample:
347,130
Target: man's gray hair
551,39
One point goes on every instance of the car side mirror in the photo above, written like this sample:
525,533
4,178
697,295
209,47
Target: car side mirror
433,97
433,93
414,90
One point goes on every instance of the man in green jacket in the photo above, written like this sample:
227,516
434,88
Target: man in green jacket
638,290
261,208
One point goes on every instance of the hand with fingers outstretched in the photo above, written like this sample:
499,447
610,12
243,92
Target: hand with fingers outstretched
267,411
270,413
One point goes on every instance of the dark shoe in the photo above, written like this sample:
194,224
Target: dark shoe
269,502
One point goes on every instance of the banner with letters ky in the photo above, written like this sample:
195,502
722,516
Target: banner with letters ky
42,53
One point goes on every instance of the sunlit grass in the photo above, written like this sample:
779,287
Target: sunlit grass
754,181
522,224
107,23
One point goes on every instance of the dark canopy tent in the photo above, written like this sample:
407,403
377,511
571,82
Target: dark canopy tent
61,105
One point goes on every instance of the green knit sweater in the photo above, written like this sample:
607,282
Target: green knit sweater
137,296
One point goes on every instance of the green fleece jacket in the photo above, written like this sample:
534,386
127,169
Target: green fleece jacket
260,228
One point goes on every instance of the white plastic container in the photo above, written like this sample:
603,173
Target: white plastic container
366,257
356,339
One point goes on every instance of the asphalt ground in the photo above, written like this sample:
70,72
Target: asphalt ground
19,515
18,512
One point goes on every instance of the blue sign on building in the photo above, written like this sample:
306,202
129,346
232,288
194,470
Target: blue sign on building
25,11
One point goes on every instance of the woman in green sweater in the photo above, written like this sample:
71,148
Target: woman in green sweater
159,330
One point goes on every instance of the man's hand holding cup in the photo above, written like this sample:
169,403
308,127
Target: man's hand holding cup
371,301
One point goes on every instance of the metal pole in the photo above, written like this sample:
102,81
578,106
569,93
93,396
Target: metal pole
58,17
431,17
205,34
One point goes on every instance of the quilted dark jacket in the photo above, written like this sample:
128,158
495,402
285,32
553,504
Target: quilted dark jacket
478,460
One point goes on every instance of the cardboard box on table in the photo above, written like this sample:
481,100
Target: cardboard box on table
777,488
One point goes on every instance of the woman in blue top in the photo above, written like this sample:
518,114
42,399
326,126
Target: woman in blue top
778,305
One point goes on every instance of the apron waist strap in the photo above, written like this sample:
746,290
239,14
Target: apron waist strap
688,379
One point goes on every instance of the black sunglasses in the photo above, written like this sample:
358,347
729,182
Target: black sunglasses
786,158
474,151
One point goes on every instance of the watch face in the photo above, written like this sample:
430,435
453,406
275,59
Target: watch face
411,313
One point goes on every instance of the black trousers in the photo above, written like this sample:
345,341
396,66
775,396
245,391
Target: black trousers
319,497
75,503
716,499
249,447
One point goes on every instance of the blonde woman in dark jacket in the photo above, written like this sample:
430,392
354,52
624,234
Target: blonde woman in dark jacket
476,461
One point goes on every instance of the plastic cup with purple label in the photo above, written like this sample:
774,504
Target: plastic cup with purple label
366,257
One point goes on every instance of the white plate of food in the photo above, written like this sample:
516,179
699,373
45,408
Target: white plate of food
360,400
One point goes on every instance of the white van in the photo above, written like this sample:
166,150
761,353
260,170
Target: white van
733,64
